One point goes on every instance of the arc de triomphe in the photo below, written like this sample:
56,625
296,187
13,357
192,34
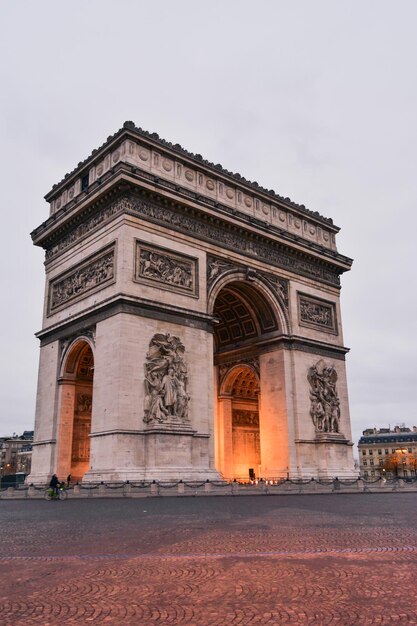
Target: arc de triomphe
191,325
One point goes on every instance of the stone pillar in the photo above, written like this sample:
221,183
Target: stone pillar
44,447
274,414
225,436
65,428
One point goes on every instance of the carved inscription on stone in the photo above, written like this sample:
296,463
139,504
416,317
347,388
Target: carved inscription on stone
245,418
159,267
317,313
94,273
325,404
166,379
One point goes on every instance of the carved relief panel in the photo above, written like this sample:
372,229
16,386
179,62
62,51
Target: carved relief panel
246,418
159,267
316,313
324,399
166,380
95,273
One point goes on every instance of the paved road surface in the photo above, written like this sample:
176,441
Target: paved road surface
219,561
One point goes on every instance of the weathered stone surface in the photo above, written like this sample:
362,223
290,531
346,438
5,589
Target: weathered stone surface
146,246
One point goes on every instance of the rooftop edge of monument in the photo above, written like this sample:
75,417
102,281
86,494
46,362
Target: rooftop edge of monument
130,126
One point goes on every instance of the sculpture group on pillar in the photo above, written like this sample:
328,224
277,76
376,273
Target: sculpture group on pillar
325,405
166,376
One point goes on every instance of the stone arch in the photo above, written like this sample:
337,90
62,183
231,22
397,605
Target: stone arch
232,374
71,354
253,283
76,400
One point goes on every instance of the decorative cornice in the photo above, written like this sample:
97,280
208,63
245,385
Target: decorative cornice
233,238
282,342
214,230
44,442
130,130
122,176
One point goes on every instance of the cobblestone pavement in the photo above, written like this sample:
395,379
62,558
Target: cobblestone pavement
322,560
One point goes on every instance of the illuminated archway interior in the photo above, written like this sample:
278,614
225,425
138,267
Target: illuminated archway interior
244,317
246,448
76,408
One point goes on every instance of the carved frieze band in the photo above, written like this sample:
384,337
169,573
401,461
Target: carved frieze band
87,227
96,272
316,313
161,268
266,250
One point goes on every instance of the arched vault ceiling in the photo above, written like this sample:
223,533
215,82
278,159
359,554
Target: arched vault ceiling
243,313
80,361
246,384
85,366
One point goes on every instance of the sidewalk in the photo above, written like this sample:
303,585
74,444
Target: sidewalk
214,488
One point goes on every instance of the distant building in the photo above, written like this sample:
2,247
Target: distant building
386,452
16,453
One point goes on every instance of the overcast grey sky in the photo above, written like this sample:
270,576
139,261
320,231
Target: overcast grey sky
315,99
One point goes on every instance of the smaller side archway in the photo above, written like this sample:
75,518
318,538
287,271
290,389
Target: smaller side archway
76,401
238,433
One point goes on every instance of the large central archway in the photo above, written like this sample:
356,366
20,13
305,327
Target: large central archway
247,316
